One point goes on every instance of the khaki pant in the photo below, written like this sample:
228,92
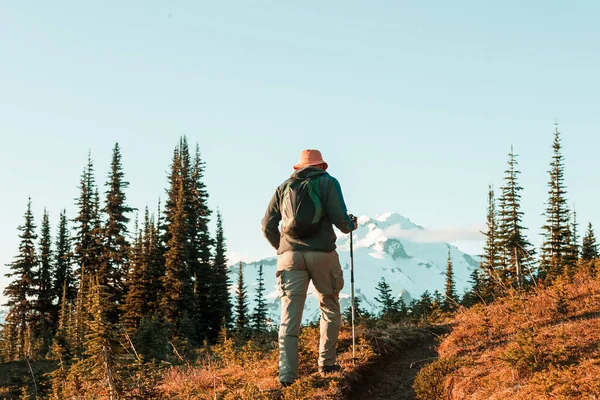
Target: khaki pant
295,269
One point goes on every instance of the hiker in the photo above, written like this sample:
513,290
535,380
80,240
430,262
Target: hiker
308,205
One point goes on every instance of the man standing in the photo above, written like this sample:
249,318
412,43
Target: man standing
308,205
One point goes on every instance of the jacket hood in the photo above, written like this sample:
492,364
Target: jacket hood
308,172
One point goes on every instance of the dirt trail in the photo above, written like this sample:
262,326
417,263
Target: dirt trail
392,378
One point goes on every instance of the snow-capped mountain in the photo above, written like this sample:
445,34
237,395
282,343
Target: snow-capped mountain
390,246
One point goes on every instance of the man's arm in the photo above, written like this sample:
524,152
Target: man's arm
336,208
270,222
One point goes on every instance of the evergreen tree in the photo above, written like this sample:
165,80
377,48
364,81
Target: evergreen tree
22,287
450,298
156,260
241,320
138,284
81,316
402,307
44,307
476,294
259,316
385,298
85,242
589,247
200,247
177,292
115,260
491,262
557,222
219,289
571,255
101,344
514,245
63,272
421,308
360,314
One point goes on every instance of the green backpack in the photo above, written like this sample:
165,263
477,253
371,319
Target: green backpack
301,210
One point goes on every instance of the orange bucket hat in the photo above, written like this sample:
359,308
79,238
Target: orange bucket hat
310,157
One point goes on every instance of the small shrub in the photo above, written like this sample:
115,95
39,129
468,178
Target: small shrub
430,383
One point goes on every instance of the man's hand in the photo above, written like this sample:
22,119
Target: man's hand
354,220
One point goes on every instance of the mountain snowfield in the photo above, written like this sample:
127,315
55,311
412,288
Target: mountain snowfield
390,246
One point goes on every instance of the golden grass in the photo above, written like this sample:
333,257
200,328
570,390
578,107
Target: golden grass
251,371
542,345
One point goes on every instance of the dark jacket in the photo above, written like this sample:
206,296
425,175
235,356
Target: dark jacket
334,210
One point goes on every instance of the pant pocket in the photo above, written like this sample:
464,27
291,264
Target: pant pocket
280,283
338,280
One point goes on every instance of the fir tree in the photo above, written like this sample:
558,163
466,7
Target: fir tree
385,298
200,247
450,298
421,308
22,287
115,260
514,245
45,310
219,290
589,247
241,320
474,294
491,258
138,284
101,345
571,255
63,272
177,292
557,216
85,242
259,316
360,314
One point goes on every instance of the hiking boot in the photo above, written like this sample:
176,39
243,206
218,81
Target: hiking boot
328,369
286,384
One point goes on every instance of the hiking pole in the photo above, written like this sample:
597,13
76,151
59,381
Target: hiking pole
352,289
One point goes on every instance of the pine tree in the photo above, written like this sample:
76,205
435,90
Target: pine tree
360,314
475,294
259,316
115,259
557,216
81,316
138,284
219,289
63,272
177,292
571,255
491,259
421,308
514,245
241,320
101,345
44,307
385,298
21,289
200,247
589,247
85,242
450,298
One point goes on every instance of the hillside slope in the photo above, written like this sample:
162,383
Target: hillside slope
542,345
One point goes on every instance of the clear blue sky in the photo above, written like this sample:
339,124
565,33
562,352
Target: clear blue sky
413,104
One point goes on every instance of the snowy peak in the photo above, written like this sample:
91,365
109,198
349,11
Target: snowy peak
411,258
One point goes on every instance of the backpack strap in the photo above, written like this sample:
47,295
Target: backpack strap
314,191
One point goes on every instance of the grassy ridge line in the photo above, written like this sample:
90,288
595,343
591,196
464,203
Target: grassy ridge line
544,344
